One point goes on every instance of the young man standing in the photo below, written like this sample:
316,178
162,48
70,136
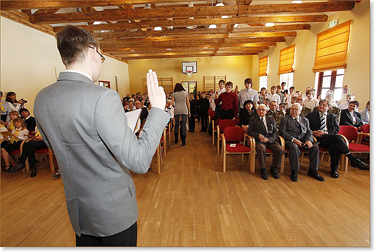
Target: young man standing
247,94
94,147
229,106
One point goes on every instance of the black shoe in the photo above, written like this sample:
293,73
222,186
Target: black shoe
334,174
57,174
360,164
274,173
18,167
8,168
263,173
33,172
293,176
315,175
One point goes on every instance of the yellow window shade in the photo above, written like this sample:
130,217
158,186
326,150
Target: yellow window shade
263,66
286,60
332,47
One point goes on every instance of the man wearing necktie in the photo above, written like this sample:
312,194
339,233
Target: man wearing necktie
324,126
297,134
263,129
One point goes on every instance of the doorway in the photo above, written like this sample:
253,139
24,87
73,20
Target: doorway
190,86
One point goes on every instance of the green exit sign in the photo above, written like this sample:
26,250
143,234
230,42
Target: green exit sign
332,23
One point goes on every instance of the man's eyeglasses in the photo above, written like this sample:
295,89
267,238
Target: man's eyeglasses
101,56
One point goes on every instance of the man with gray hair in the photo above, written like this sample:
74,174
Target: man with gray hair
263,128
297,134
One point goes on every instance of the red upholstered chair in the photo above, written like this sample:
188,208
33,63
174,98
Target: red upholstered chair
233,143
215,123
351,136
237,121
220,129
44,152
286,150
364,136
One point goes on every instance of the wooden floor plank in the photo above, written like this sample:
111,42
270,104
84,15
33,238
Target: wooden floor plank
193,203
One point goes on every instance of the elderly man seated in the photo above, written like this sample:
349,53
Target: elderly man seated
297,134
263,128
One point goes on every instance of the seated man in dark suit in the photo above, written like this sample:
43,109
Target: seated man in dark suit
324,126
350,117
263,129
297,134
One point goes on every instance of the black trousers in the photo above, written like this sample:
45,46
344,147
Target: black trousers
192,123
128,237
204,121
227,114
28,151
336,145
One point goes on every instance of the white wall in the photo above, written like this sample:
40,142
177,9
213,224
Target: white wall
30,59
357,72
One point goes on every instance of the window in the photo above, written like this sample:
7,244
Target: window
262,82
330,80
288,79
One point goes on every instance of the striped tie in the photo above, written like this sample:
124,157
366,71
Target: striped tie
322,122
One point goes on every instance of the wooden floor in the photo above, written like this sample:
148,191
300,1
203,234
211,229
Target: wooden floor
192,203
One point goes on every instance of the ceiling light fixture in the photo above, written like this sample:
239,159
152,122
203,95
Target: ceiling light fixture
168,49
296,1
235,25
269,24
212,26
147,7
97,22
190,27
158,28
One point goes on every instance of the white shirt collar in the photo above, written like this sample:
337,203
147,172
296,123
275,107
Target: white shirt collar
75,71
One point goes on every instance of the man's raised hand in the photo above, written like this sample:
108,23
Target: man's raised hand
155,92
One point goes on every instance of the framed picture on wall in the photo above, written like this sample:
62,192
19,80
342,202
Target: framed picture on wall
104,84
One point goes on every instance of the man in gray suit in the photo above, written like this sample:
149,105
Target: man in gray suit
297,134
87,129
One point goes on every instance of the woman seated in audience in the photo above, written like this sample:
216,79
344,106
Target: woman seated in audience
365,114
12,115
262,95
245,117
13,142
12,103
349,116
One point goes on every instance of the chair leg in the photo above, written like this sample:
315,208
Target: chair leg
282,163
224,162
252,162
218,144
27,167
51,165
322,157
158,158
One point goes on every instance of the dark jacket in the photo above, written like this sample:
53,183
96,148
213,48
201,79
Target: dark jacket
204,104
289,130
331,122
245,117
346,118
256,127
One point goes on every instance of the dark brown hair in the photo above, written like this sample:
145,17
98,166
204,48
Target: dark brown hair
72,43
178,88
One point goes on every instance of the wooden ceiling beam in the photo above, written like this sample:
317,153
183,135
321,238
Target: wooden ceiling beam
186,32
186,56
205,21
186,12
46,11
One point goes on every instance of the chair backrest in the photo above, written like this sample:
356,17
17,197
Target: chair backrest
226,123
211,113
350,132
216,122
237,121
365,128
234,134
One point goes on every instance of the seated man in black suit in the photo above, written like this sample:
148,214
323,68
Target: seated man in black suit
324,126
349,116
263,128
297,134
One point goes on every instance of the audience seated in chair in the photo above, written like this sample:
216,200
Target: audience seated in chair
247,114
297,134
28,119
349,116
325,127
13,142
263,128
28,152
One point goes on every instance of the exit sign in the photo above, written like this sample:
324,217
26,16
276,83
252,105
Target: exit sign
332,23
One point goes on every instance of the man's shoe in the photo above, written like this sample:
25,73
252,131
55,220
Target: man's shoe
334,174
18,167
293,176
360,164
315,175
33,172
274,173
263,173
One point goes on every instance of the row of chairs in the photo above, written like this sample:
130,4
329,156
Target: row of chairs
357,141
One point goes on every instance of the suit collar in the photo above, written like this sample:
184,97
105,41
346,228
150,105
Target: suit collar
75,76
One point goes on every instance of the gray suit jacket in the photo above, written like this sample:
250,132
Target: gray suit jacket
87,129
289,130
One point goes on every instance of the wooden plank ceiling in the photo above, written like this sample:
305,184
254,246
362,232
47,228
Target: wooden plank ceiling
127,29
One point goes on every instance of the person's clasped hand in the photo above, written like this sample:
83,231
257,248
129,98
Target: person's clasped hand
155,92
